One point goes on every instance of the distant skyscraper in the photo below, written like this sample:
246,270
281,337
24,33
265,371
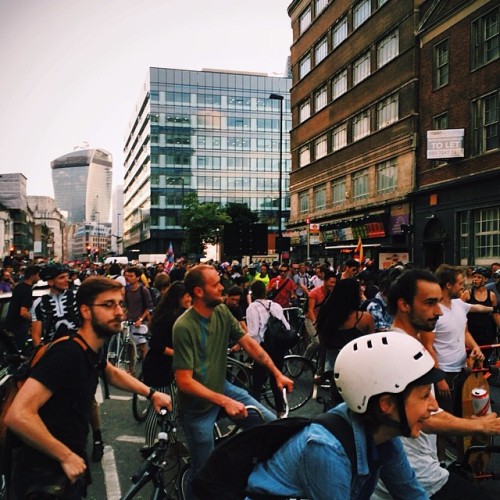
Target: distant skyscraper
82,184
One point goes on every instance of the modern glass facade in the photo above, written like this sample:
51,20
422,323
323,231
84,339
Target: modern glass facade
82,184
215,133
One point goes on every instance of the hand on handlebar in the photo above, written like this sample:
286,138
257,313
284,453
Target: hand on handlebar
235,409
284,382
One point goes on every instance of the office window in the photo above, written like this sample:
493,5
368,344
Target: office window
485,38
320,197
387,177
305,20
304,111
387,111
485,124
238,122
320,147
320,99
303,202
361,13
441,65
387,49
304,66
319,5
304,156
339,84
179,98
339,33
339,137
321,50
338,191
209,100
237,102
361,125
487,232
440,122
361,68
360,184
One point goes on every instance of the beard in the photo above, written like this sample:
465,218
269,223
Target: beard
212,302
103,330
423,325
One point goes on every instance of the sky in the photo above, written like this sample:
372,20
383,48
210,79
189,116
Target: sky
72,70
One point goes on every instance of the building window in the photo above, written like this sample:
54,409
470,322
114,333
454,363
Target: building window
209,100
485,123
387,49
361,68
338,191
304,111
304,66
179,98
387,111
305,20
440,122
361,125
320,147
304,156
319,5
360,185
441,65
339,137
304,202
361,13
320,99
339,32
487,233
236,102
485,38
381,2
321,50
320,197
387,177
463,224
238,122
339,85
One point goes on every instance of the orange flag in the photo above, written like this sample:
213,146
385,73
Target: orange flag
358,251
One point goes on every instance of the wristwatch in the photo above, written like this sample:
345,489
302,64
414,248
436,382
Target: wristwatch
151,392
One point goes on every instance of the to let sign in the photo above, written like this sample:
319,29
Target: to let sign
447,143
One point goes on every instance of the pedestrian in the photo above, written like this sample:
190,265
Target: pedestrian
52,411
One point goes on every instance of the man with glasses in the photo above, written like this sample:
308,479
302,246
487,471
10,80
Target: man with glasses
281,289
301,280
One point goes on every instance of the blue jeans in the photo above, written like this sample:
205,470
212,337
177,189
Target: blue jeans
199,428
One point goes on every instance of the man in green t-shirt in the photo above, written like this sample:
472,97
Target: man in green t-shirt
201,336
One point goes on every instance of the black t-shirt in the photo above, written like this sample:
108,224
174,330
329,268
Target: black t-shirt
22,296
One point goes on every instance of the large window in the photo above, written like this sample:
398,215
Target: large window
179,98
304,156
338,191
441,65
238,122
440,122
485,38
304,202
208,121
387,49
304,111
339,33
387,177
387,111
319,5
361,125
487,233
339,137
320,197
305,20
209,100
361,13
361,68
320,147
485,113
339,84
304,66
360,185
320,99
321,50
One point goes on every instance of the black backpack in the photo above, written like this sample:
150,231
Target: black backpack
224,475
277,336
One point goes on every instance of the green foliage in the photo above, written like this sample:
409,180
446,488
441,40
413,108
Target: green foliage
241,214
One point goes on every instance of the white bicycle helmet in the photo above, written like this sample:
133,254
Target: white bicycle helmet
385,362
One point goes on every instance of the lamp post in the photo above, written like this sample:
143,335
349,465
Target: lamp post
173,181
279,97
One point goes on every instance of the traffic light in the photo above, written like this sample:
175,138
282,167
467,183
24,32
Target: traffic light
88,250
12,250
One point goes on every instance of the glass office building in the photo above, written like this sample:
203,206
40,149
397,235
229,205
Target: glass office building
82,184
212,132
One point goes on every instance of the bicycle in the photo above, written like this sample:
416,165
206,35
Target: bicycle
122,351
298,368
141,406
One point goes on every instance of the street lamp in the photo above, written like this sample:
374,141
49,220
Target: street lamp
279,97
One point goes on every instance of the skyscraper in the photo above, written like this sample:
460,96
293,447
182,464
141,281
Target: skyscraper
82,184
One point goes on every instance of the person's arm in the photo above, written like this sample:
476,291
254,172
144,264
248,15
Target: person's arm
447,424
496,315
476,353
311,303
36,332
24,420
24,312
465,296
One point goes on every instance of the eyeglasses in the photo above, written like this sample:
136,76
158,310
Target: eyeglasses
110,305
295,268
282,271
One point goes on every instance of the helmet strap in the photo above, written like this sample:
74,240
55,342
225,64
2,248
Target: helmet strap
402,425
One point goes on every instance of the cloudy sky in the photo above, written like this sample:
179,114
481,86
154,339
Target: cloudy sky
72,69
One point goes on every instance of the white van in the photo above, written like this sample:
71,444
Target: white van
119,259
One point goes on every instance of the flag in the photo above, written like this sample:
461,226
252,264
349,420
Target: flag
358,251
169,258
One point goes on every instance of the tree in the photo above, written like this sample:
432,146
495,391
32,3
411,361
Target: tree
201,221
241,214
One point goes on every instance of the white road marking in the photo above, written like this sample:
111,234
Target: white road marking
131,439
120,398
111,480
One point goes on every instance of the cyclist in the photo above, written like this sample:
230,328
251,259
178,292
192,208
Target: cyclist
385,380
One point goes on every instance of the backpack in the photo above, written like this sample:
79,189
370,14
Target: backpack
277,335
224,475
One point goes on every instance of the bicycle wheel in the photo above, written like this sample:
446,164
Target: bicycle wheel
127,357
301,371
183,481
141,406
113,347
238,374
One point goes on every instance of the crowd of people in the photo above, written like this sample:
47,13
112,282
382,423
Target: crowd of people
185,320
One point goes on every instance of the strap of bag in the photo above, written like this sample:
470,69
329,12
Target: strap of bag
284,283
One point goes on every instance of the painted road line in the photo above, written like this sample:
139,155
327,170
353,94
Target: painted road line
131,439
111,481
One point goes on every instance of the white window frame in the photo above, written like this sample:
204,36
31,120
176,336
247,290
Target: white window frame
320,99
320,50
387,177
441,64
361,68
339,189
304,66
340,32
361,12
304,110
304,202
361,126
319,6
320,147
305,20
387,111
319,196
304,155
387,49
339,84
360,185
339,137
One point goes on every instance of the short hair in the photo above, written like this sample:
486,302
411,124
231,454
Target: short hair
447,274
234,291
329,274
135,270
162,281
351,263
405,287
195,277
94,286
258,290
31,271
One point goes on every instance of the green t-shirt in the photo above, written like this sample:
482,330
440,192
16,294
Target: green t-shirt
200,345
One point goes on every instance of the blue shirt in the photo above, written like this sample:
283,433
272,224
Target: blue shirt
314,465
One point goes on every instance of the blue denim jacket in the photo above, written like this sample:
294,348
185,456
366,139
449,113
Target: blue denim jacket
313,465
